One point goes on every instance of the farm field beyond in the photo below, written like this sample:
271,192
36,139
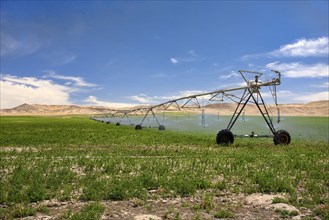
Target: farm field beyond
71,167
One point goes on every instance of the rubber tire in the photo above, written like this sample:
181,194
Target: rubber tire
138,127
117,124
162,128
282,137
108,122
225,137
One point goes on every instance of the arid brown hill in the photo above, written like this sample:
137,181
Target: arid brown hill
27,109
318,108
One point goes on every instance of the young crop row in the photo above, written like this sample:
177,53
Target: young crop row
96,162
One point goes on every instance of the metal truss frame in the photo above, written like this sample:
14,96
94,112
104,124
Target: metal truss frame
251,93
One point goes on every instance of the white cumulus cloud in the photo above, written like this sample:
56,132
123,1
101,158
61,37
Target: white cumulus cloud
93,100
304,48
18,90
142,98
173,60
314,47
298,70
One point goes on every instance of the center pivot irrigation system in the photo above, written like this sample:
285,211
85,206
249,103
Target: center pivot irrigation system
249,93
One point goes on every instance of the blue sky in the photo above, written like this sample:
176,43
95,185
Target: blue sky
122,53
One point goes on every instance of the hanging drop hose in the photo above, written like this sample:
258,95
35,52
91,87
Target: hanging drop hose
279,116
274,93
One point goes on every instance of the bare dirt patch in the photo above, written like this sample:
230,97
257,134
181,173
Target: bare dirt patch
255,206
266,202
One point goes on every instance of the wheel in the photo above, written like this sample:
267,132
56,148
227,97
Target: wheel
117,124
282,137
138,127
162,128
225,136
107,122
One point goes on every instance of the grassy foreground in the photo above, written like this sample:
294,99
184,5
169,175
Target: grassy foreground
74,158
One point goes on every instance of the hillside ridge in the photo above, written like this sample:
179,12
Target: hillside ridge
316,108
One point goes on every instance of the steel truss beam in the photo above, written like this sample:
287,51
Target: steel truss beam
250,94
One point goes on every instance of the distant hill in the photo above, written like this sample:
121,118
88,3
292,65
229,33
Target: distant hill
36,109
318,108
323,103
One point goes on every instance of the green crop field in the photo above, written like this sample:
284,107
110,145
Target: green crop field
312,128
75,160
